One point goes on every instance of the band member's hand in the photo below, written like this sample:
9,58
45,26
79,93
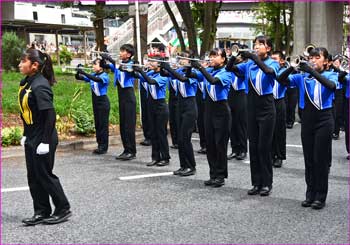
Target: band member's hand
42,149
106,56
23,140
137,68
195,64
79,76
305,67
165,65
246,55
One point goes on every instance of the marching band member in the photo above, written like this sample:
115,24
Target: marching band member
237,100
158,112
186,114
316,88
99,81
261,71
200,101
217,118
279,135
124,81
146,127
173,111
40,139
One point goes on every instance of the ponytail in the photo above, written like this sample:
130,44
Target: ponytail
44,61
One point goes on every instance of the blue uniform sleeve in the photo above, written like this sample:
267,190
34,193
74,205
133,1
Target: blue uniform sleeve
225,77
275,66
86,79
105,78
333,76
243,67
112,67
295,80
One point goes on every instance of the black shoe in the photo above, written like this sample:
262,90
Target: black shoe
241,156
174,146
306,203
265,191
163,163
231,156
202,151
209,182
146,142
348,157
153,163
177,172
120,156
289,125
58,218
127,156
36,219
218,182
254,191
335,136
188,172
318,205
277,163
99,151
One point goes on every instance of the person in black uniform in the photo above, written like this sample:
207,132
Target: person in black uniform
217,118
261,71
186,114
173,111
316,90
98,81
40,139
124,80
200,101
158,112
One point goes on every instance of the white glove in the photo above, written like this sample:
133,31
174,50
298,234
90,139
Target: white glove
42,149
23,140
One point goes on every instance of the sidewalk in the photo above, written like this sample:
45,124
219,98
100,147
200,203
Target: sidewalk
69,145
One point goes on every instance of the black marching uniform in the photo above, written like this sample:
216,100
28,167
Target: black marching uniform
200,101
39,117
173,110
146,127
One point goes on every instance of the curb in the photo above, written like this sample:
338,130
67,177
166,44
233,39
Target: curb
64,146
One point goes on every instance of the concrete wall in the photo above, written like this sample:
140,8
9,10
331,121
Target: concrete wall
320,23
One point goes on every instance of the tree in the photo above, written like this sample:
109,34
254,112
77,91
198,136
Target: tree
275,19
12,48
200,16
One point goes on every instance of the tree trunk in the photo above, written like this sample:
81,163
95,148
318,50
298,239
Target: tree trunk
186,14
176,26
98,25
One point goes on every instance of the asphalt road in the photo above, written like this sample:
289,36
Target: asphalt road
171,209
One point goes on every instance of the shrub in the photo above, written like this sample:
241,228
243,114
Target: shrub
65,55
12,48
84,122
11,136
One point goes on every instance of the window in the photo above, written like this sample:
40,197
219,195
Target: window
35,16
63,19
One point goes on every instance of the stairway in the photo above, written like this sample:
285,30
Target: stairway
159,23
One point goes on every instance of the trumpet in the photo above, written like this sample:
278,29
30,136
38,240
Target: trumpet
308,49
73,69
236,50
99,53
172,62
129,67
204,61
344,65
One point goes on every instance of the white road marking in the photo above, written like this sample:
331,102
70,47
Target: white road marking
145,176
24,188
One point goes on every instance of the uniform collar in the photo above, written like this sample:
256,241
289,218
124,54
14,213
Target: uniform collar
30,79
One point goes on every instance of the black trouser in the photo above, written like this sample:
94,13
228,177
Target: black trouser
158,115
200,118
127,118
173,104
238,105
144,111
186,120
291,100
42,182
279,135
101,107
347,124
217,123
316,137
338,109
261,124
